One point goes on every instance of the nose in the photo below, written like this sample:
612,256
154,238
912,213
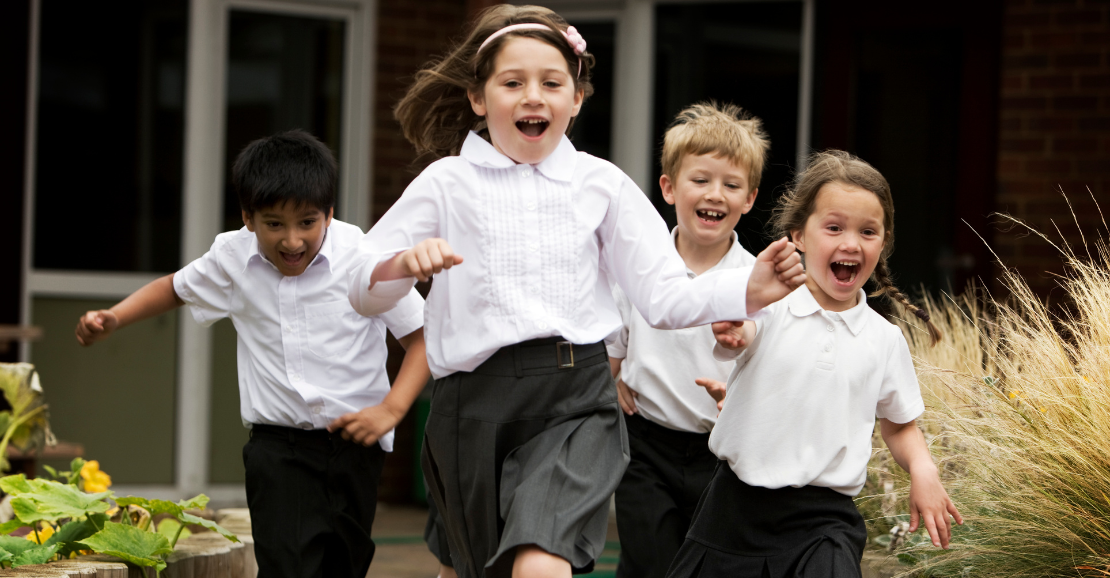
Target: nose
715,192
850,243
291,242
532,93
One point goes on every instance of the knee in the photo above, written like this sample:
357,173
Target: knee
535,562
447,572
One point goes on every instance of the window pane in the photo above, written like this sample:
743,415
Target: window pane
283,72
744,53
110,135
592,131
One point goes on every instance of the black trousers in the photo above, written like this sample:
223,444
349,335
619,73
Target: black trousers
658,494
312,497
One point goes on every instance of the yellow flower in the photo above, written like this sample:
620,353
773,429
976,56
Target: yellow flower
94,479
44,533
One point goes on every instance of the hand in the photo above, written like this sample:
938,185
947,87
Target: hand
777,272
930,505
367,425
626,397
731,334
95,326
715,389
427,258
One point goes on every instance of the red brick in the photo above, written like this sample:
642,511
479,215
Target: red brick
1024,61
1019,145
1048,166
1081,17
1094,81
1050,124
1024,103
1080,144
1051,81
1053,39
1022,187
1012,83
1010,124
1075,103
1077,59
1014,41
1010,166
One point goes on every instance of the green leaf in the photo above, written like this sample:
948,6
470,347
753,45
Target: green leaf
75,531
168,528
197,502
36,555
15,485
53,473
51,501
191,519
11,526
16,546
5,555
131,544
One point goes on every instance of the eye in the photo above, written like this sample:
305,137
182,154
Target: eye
733,186
273,224
700,180
870,232
833,228
552,84
308,222
513,84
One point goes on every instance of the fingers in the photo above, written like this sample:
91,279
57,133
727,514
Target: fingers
429,257
955,513
90,327
341,422
934,532
914,518
626,398
774,249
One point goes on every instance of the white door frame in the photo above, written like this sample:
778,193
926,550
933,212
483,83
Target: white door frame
202,203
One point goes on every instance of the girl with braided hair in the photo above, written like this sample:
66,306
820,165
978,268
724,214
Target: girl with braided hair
812,374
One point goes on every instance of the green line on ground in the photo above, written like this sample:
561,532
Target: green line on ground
383,540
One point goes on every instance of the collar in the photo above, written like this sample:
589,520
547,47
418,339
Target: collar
254,254
729,260
802,304
559,165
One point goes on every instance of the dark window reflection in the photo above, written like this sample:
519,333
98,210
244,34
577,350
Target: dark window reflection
283,72
592,131
745,53
109,140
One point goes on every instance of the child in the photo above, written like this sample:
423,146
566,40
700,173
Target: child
811,377
312,378
524,444
712,160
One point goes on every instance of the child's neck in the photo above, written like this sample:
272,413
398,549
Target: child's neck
701,258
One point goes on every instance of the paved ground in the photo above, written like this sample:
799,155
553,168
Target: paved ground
401,553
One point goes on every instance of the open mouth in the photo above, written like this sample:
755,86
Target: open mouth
844,271
291,259
710,216
532,127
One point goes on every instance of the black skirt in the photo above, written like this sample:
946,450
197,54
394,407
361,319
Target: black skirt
743,531
521,451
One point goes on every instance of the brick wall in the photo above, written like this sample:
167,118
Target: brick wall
1054,127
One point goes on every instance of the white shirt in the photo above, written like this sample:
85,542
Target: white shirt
542,245
661,365
305,357
802,402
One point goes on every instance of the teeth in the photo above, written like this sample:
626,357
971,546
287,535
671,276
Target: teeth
846,263
713,213
533,121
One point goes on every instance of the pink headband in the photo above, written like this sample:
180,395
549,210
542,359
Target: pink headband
574,39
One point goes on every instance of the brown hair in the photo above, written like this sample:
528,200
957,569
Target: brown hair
435,113
797,204
726,130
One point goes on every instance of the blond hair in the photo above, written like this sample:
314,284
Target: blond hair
435,113
834,166
721,129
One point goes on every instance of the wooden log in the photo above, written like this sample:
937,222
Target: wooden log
240,565
80,571
198,561
32,571
133,571
97,568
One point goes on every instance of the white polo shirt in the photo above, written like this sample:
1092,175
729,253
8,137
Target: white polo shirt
661,365
305,357
803,399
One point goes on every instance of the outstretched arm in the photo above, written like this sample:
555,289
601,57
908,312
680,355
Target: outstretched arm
777,272
369,424
154,298
929,503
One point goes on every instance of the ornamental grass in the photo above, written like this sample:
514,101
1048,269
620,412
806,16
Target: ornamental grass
1018,419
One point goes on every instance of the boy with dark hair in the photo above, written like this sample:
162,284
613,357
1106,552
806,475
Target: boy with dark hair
312,379
713,158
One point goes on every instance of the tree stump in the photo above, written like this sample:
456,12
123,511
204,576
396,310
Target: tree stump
33,571
95,568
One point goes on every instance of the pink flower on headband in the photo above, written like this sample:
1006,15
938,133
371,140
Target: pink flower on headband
577,43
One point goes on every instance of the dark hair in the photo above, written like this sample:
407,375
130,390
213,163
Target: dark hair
288,167
435,113
797,204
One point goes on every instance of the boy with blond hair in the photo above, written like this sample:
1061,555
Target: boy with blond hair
713,157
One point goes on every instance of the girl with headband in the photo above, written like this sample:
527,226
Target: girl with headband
525,443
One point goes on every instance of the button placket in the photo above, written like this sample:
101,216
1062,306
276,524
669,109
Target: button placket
530,289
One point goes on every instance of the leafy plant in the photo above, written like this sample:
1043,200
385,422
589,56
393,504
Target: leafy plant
25,424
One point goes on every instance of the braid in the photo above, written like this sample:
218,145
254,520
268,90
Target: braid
887,288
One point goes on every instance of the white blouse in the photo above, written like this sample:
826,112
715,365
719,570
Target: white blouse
305,357
801,404
661,365
542,245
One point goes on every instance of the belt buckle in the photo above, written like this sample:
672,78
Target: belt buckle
559,355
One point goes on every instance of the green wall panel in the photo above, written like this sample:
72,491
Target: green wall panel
116,397
227,434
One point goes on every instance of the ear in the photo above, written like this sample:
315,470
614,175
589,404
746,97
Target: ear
748,204
579,97
798,238
668,189
248,221
477,102
327,219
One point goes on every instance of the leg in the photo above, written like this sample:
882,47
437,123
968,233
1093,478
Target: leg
447,572
353,474
533,562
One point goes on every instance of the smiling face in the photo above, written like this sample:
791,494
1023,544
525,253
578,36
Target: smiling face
709,193
288,235
842,240
528,100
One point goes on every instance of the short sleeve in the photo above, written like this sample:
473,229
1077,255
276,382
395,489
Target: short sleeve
900,395
618,345
205,287
407,316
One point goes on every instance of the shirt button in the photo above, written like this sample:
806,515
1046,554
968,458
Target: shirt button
533,247
526,173
534,289
289,329
296,377
828,348
316,410
531,206
828,328
542,325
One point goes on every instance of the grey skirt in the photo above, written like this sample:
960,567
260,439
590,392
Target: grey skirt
521,452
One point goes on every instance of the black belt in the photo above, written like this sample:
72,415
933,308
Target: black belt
539,356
